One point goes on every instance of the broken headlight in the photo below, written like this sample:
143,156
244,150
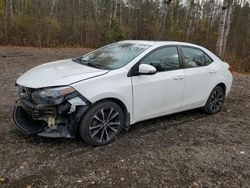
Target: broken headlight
51,96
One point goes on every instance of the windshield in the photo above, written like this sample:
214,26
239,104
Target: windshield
113,56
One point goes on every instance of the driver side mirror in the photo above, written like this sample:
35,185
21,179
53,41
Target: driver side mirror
146,69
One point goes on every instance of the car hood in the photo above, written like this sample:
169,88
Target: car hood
58,73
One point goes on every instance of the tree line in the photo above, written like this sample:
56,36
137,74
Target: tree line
221,26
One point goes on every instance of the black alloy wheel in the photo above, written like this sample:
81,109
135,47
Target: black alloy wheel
102,123
215,100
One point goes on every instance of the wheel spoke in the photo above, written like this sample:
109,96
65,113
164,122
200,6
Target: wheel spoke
113,116
114,123
220,99
97,118
102,135
212,107
107,135
216,106
95,127
110,113
113,129
212,98
95,132
103,116
219,103
212,102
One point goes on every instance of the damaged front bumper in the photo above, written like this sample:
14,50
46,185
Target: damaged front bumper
59,120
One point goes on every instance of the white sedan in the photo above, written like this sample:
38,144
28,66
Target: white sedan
100,93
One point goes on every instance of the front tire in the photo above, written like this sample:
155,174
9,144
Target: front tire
102,123
215,101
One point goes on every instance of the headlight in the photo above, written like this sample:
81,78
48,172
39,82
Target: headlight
52,95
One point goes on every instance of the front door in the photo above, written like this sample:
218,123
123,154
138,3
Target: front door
161,93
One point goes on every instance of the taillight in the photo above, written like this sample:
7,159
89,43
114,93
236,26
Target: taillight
231,70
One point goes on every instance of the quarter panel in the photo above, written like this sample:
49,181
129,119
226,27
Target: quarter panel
222,75
114,84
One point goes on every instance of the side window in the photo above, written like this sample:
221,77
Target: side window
163,59
193,57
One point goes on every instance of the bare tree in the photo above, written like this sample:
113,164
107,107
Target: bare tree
224,26
115,9
163,14
110,14
192,15
52,8
8,16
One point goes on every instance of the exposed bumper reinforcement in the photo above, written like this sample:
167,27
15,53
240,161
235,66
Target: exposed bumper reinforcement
66,127
26,123
29,126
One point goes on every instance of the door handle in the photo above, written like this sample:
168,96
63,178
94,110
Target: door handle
179,77
212,71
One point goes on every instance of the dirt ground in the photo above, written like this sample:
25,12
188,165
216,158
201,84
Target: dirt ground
188,149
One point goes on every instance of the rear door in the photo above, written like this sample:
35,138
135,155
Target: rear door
161,93
199,75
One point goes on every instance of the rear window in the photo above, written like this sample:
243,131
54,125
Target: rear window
195,58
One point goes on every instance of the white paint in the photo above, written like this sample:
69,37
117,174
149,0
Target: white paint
57,73
145,96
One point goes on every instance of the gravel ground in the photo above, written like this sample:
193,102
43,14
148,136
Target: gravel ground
188,149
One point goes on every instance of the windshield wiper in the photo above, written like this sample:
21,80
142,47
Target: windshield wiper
92,64
78,60
88,62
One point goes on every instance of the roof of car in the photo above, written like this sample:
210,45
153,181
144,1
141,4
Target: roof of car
159,43
156,44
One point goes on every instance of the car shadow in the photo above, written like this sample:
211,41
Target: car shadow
167,121
143,127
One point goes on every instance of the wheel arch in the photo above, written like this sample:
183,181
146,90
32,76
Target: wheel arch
115,100
206,108
223,86
121,104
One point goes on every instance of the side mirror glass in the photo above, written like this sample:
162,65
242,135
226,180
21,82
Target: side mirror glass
146,69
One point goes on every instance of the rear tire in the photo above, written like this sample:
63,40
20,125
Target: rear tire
102,123
215,100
